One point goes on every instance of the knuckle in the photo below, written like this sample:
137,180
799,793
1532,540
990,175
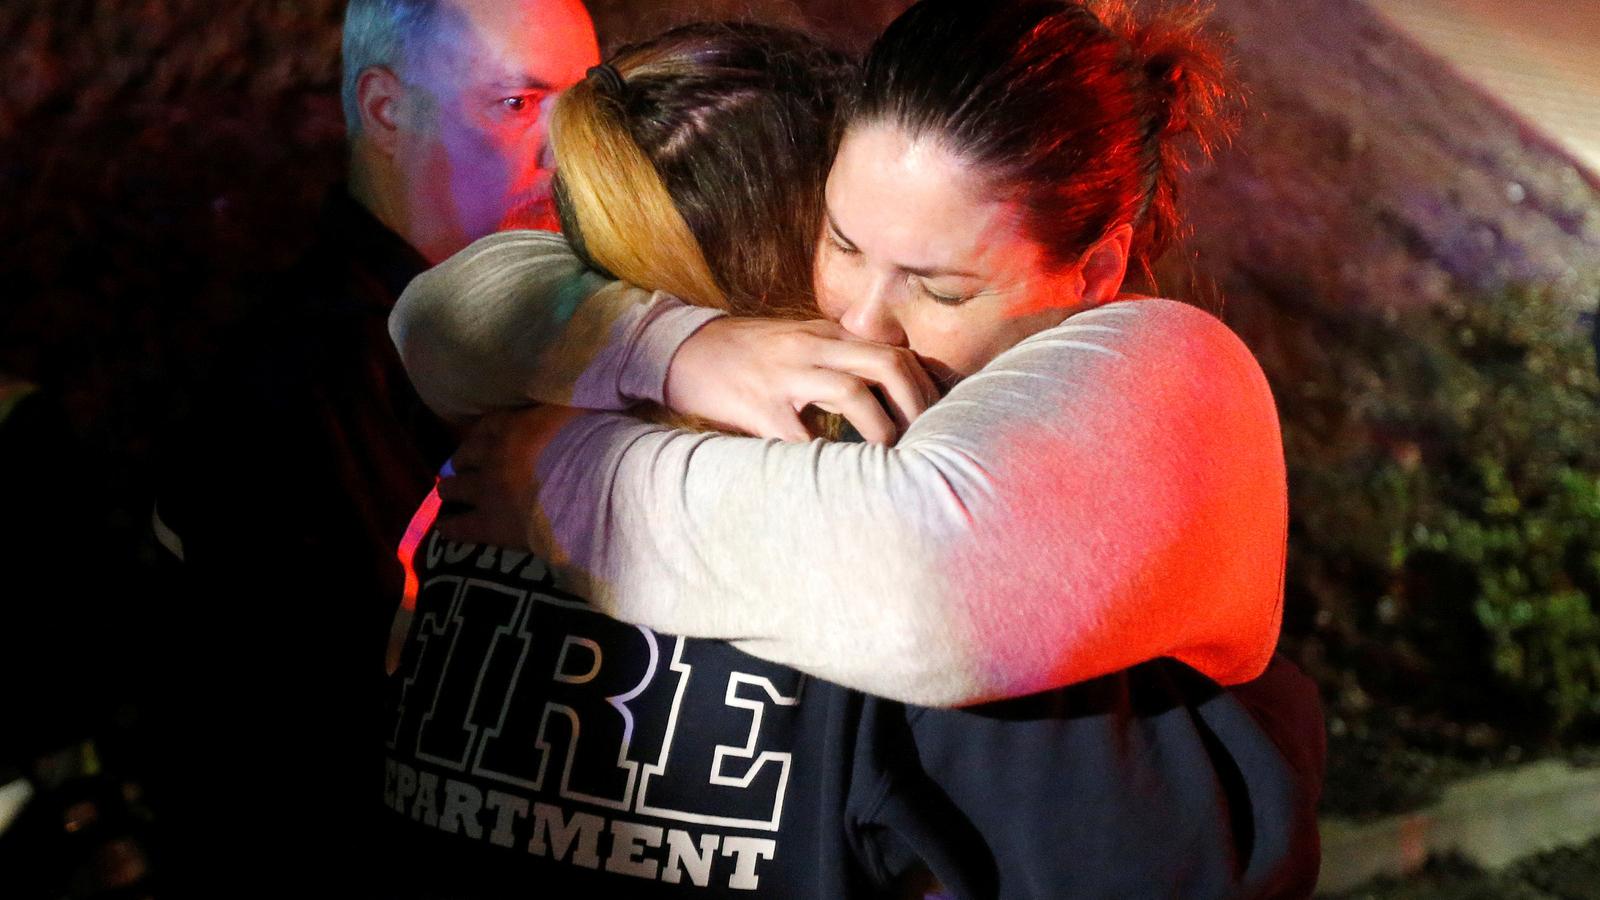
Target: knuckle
792,343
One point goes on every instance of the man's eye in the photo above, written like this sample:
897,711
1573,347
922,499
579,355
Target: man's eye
515,104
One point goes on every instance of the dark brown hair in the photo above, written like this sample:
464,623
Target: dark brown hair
1074,110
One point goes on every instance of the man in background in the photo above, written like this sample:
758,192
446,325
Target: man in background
287,493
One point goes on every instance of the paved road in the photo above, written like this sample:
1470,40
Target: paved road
1541,57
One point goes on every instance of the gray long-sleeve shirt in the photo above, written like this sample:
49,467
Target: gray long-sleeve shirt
1109,491
516,318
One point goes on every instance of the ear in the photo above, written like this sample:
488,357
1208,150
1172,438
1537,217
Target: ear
1105,265
380,95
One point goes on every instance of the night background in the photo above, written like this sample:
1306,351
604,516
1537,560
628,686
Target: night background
1406,232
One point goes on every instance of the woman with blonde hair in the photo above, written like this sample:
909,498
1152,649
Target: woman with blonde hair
1156,757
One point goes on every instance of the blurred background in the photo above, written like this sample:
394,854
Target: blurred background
1406,232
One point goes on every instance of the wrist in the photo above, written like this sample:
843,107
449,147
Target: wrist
649,373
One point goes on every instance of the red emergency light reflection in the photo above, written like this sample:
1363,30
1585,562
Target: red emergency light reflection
423,520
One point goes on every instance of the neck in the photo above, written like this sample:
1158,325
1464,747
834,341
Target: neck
375,184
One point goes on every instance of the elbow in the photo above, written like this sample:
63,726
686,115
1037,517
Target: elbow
433,355
931,659
433,381
412,321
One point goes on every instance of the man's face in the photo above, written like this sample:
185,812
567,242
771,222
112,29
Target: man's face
473,149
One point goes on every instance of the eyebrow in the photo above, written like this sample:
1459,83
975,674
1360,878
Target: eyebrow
524,83
919,271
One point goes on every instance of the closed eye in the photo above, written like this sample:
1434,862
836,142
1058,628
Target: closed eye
841,246
946,299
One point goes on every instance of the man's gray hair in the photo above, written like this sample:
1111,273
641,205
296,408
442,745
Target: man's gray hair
379,33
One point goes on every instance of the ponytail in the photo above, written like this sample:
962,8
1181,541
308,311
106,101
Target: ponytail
1190,98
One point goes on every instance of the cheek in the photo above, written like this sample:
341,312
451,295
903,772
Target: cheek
481,173
476,156
963,339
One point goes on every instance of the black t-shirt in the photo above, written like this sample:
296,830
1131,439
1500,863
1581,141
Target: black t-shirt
537,748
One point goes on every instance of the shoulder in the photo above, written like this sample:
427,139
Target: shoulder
1190,367
516,255
1137,353
1150,326
486,287
1174,323
1171,350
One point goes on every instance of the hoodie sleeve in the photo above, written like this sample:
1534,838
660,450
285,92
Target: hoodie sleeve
516,318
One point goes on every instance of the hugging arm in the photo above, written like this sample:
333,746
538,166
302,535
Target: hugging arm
1107,492
516,318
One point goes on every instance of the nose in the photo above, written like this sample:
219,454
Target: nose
873,317
546,157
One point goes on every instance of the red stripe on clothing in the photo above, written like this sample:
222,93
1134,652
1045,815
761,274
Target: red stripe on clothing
425,516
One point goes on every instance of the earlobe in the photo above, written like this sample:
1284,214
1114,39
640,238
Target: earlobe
379,94
1105,265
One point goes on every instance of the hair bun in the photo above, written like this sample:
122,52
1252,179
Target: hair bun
1166,74
1183,61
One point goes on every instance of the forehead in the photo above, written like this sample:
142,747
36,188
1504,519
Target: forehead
549,42
909,200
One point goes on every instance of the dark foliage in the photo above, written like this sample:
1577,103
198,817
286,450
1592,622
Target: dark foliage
1445,484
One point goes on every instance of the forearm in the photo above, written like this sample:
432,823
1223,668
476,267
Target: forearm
824,575
1028,532
515,318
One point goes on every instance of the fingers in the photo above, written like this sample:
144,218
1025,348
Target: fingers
466,527
754,375
490,524
906,387
785,425
849,396
462,488
484,439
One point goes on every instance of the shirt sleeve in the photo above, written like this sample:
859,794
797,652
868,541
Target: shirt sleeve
1107,492
516,318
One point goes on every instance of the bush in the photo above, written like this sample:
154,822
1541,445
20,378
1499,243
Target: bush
1445,488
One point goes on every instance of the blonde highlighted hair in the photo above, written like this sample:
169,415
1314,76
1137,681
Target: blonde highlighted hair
700,170
626,222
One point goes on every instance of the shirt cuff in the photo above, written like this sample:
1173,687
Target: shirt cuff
667,325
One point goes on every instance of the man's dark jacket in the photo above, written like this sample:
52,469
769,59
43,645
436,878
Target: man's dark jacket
287,493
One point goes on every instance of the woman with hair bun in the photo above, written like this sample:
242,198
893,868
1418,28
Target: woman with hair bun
1097,501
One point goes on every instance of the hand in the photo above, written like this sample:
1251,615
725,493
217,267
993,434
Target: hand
756,375
491,495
